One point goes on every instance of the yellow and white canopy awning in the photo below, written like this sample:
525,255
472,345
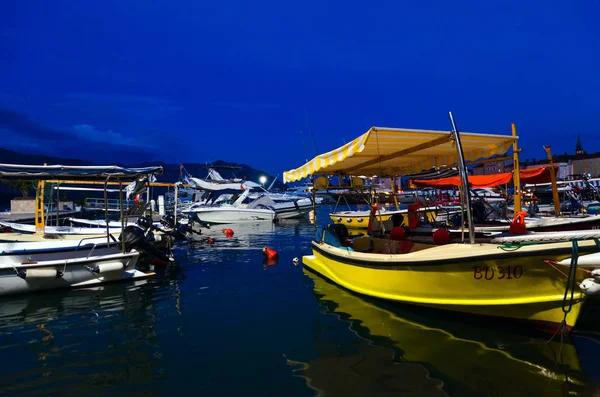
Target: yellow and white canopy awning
395,151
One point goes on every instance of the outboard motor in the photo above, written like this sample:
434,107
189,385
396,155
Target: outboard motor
139,237
168,220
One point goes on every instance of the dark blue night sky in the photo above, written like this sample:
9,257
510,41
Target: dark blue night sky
196,81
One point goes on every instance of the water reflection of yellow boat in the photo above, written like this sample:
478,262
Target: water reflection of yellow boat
465,357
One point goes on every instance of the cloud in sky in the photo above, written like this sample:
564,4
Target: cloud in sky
20,124
89,132
144,109
21,133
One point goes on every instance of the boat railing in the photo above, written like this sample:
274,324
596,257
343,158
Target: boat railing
94,245
113,204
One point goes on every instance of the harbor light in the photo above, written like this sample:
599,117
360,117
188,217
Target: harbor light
262,180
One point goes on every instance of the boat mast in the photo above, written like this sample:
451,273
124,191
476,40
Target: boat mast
553,180
466,201
516,173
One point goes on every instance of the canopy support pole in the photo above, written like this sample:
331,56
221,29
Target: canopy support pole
106,210
122,215
553,180
175,205
516,173
466,202
39,209
394,192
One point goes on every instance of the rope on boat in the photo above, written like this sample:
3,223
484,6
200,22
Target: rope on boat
515,246
571,279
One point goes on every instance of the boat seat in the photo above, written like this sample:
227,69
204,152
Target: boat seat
382,246
386,246
381,227
363,244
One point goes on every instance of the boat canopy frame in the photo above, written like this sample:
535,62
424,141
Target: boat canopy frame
74,174
383,151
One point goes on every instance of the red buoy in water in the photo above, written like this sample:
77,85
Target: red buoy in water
441,236
398,233
271,254
228,233
210,240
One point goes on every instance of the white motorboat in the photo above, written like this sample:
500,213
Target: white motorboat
28,272
27,247
216,210
50,230
55,259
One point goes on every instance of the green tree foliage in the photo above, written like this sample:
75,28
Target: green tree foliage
25,187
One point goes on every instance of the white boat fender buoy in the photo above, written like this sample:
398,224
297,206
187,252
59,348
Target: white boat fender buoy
295,261
108,267
596,274
583,260
590,286
39,274
359,220
349,220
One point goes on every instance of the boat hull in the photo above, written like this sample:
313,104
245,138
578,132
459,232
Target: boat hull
479,279
219,215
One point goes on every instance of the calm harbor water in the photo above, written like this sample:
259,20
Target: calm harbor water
224,323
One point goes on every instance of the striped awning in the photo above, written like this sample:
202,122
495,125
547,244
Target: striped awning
395,151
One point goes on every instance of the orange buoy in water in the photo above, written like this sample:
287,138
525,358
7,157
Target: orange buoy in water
271,254
210,240
517,226
441,236
398,233
269,262
228,232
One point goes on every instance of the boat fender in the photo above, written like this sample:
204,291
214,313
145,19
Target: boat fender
359,220
108,267
596,274
338,219
295,261
228,232
413,218
441,236
590,286
39,274
517,226
270,253
398,233
349,220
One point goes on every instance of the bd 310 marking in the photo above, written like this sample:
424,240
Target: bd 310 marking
499,273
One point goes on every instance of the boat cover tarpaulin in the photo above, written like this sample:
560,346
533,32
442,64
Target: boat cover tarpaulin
74,173
528,175
395,152
221,184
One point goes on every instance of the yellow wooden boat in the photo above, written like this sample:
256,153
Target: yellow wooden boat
455,358
478,278
468,277
360,219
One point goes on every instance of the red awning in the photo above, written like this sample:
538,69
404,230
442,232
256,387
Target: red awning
528,175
